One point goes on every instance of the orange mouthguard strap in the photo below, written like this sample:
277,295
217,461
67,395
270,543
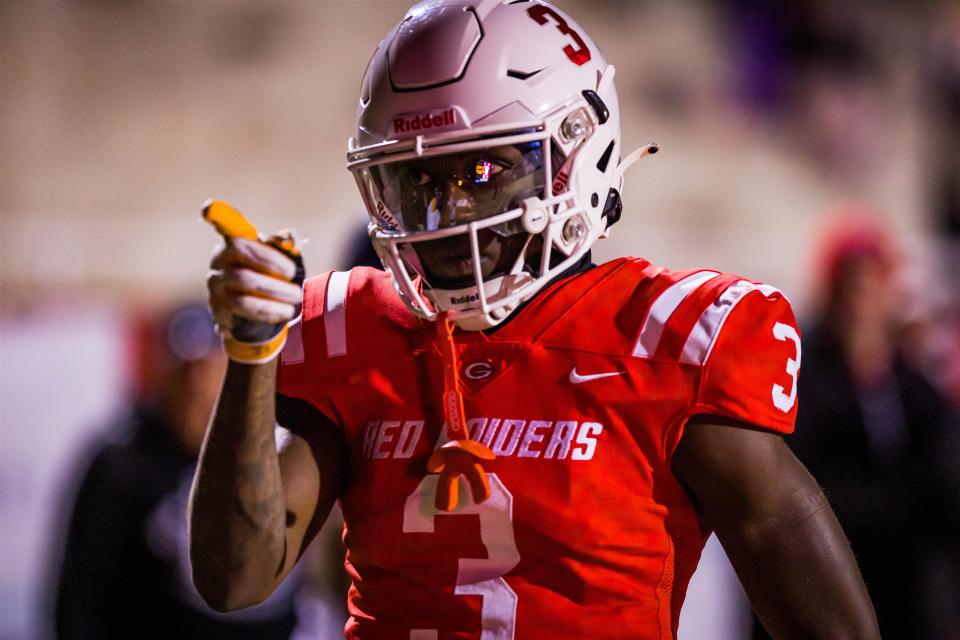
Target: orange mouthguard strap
452,397
459,456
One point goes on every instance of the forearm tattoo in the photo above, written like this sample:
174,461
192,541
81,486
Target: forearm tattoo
238,517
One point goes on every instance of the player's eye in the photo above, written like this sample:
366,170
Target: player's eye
486,170
418,178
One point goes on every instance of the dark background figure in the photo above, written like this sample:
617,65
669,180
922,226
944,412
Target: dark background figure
881,441
358,251
125,571
943,175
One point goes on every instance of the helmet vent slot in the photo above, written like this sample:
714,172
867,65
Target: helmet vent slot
605,158
522,75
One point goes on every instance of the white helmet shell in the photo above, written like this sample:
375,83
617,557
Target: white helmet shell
456,75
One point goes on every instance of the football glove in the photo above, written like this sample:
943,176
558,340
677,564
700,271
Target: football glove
255,285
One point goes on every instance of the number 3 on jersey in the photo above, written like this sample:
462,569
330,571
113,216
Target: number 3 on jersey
781,400
476,576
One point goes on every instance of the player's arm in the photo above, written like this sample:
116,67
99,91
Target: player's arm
777,528
253,508
256,506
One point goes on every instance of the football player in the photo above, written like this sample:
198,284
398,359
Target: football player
524,444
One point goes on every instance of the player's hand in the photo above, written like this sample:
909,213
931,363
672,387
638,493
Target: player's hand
252,280
255,287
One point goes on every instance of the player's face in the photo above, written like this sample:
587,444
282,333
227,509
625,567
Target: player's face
454,190
867,291
451,260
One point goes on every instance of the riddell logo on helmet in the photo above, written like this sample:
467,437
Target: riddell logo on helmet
561,182
423,121
470,297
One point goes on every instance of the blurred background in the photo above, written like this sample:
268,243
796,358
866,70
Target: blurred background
812,145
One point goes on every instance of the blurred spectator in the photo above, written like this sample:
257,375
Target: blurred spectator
929,333
943,170
944,68
126,571
881,441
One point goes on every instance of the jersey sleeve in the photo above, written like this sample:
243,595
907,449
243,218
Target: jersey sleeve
751,368
350,320
304,372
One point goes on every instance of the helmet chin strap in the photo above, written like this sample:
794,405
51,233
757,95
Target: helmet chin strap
631,159
477,321
604,84
614,206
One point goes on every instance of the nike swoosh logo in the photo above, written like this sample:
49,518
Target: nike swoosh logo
576,378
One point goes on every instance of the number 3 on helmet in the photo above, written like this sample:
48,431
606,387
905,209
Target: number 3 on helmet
487,153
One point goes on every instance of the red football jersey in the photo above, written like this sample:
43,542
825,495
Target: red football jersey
583,396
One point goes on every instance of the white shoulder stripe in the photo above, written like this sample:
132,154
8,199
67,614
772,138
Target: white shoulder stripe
293,351
700,342
768,290
663,307
334,313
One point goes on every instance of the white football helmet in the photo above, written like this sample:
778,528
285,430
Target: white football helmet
487,153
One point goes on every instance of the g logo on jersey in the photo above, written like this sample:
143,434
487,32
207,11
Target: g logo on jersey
479,370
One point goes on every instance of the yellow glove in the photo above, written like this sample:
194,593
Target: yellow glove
255,285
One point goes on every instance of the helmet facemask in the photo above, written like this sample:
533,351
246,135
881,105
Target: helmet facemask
447,191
